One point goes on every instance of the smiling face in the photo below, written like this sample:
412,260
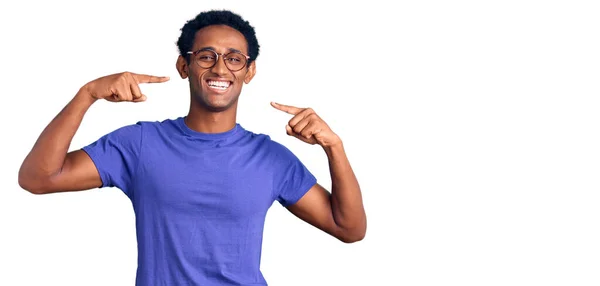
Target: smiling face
216,88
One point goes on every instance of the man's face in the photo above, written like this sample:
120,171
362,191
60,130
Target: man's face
216,88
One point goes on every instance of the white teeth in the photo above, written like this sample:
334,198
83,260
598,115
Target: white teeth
218,84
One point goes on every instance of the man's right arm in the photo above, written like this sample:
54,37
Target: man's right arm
49,167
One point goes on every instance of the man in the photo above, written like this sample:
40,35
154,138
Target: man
200,184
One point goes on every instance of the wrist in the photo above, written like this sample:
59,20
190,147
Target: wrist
85,96
335,145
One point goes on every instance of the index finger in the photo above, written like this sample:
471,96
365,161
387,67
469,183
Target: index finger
287,108
144,78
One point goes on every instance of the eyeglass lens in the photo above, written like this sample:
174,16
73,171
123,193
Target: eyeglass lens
234,61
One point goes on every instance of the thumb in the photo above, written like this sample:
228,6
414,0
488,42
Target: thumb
140,99
289,130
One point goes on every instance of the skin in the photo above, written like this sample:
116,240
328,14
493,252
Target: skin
50,168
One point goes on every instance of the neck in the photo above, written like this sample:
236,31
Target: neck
202,120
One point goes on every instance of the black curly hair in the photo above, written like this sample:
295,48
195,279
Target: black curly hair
217,17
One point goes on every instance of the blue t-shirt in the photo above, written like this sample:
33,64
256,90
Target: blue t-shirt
200,199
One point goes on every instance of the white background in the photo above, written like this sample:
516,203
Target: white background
471,125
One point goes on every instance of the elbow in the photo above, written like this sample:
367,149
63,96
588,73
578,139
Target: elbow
353,238
31,187
30,184
352,235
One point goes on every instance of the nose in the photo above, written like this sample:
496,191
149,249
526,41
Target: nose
220,68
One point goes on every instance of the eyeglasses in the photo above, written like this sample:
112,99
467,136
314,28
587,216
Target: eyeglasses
206,59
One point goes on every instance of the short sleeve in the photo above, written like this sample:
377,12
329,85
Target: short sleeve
292,178
116,155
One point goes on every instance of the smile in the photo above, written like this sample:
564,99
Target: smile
218,85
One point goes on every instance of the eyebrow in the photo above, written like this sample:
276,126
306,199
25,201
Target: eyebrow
215,50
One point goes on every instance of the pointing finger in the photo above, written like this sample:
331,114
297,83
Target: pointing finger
286,108
144,78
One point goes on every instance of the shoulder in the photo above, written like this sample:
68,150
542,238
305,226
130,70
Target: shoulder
157,126
133,132
275,149
278,151
138,126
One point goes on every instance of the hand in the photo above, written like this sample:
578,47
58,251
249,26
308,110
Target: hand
307,126
121,86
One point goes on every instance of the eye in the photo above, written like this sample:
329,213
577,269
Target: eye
235,59
206,58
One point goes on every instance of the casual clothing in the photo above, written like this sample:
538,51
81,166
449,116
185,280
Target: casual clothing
200,199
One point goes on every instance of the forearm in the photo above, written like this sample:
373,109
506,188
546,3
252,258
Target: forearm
48,154
346,198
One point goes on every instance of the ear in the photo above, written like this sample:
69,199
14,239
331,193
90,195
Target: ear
250,73
182,67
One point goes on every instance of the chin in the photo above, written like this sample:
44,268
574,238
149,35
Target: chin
214,106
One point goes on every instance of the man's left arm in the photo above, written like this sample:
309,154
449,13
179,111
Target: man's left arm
339,213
